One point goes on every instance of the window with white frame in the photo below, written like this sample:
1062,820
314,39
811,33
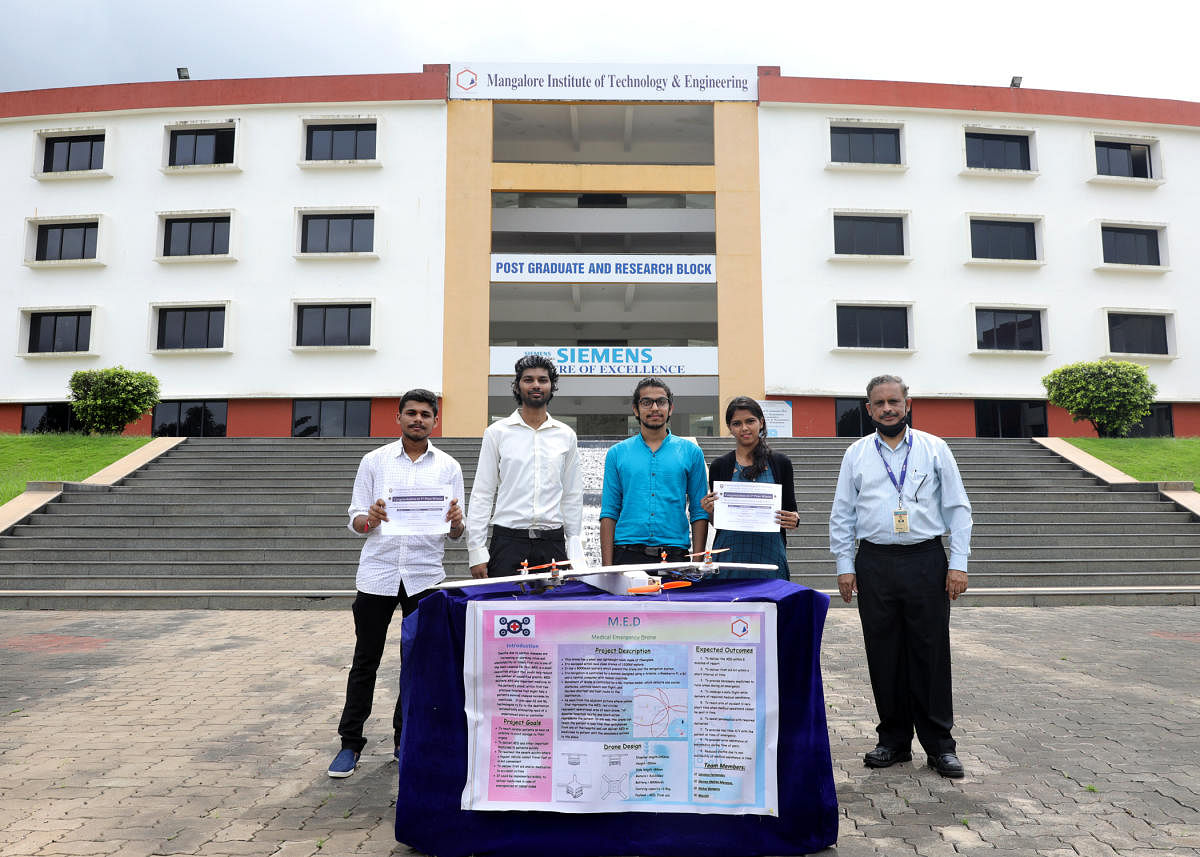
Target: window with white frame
72,152
872,326
868,234
187,327
337,232
1008,329
995,150
1137,333
1008,239
1130,245
857,144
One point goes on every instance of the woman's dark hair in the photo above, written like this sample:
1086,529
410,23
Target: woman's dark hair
534,361
762,452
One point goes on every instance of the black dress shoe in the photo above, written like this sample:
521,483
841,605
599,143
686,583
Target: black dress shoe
885,757
947,765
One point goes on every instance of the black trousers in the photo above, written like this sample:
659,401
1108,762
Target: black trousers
372,616
637,555
905,615
507,551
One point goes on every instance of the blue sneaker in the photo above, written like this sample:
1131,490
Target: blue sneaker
343,763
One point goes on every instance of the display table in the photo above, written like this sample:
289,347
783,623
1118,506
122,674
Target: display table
433,757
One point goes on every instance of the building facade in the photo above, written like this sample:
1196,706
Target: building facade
289,255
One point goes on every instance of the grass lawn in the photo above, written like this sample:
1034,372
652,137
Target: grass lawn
57,457
1149,459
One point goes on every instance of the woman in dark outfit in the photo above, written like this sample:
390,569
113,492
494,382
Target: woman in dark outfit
751,460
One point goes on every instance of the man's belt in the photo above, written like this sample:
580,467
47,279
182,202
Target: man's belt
532,535
651,550
917,547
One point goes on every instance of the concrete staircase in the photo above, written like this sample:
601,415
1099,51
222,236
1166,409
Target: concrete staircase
237,523
1045,531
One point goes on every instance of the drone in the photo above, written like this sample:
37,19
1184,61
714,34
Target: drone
617,579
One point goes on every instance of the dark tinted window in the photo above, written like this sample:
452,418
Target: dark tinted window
66,241
74,153
1123,159
1005,329
876,236
340,142
59,331
208,146
998,151
331,418
1130,333
872,327
338,233
190,419
191,327
1158,423
864,145
1002,239
1008,418
1130,246
50,417
852,419
198,236
348,324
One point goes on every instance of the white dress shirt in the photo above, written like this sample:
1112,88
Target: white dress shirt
532,476
865,499
385,561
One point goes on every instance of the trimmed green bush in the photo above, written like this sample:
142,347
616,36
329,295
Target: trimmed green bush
107,400
1113,395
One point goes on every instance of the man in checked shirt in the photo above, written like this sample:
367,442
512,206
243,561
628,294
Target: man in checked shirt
393,570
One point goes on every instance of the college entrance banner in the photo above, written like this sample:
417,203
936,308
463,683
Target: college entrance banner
644,706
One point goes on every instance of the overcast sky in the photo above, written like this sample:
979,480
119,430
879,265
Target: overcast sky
1108,46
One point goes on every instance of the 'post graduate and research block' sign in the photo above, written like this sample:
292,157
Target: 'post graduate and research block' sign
611,361
602,82
602,268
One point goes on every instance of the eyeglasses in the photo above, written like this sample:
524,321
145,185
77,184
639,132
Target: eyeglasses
650,403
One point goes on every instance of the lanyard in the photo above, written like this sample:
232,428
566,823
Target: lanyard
903,470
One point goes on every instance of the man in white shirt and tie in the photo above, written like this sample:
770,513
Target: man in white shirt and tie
898,491
529,471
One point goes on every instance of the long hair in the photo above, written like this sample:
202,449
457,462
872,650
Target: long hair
762,453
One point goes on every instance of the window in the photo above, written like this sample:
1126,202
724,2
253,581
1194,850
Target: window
59,331
199,236
74,153
1134,333
1008,418
864,145
205,146
1003,239
1131,160
852,419
1158,423
1008,329
340,142
997,151
870,236
872,327
338,233
190,419
57,241
50,417
347,324
1128,246
191,327
331,418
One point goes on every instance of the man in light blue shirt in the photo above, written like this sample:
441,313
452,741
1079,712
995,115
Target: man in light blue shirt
898,491
654,483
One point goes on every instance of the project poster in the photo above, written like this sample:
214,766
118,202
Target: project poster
620,706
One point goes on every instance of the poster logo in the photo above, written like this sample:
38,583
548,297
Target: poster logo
514,626
466,80
739,627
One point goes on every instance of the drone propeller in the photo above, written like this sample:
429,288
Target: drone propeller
653,588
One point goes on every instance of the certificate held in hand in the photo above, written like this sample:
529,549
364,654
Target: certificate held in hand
417,511
747,506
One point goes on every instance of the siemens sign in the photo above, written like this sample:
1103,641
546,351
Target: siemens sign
613,360
597,268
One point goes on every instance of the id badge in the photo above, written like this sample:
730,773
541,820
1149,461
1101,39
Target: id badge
900,521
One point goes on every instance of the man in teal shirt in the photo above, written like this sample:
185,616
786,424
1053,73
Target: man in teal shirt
653,485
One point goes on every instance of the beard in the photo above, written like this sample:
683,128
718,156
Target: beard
666,422
892,430
535,403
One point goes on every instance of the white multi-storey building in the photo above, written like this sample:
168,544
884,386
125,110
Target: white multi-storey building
289,255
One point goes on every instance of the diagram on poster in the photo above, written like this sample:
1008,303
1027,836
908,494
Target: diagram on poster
618,706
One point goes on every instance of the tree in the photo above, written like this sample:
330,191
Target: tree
107,400
1113,395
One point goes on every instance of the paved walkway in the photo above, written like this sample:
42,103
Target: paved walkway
191,732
